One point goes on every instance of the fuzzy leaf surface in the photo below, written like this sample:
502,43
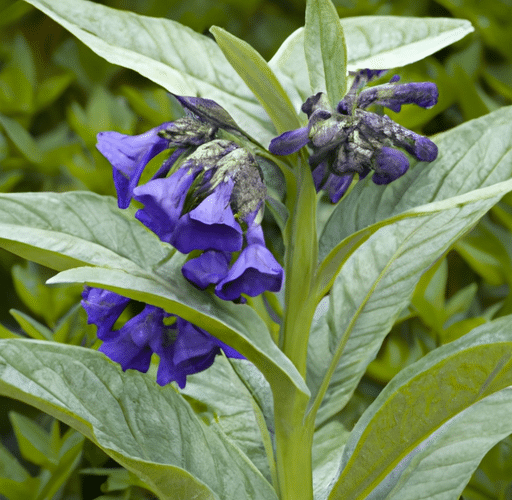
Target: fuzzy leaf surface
325,50
167,447
427,431
378,279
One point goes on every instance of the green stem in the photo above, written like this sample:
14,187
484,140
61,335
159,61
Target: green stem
301,260
293,448
294,437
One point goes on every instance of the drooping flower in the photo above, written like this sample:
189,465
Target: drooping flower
351,140
129,155
182,347
254,271
202,197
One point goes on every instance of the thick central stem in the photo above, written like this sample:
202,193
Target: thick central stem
294,436
293,449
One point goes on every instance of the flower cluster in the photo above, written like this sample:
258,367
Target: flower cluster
206,198
351,140
183,348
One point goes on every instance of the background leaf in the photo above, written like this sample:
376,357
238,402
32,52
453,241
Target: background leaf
376,42
168,53
168,448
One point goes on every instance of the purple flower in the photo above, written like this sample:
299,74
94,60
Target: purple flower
193,351
207,269
163,200
335,185
103,309
423,94
129,155
390,165
182,347
203,198
351,140
255,271
211,225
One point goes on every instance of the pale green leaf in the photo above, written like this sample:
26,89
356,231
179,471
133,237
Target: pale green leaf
260,78
325,51
375,42
71,229
167,447
328,445
63,230
473,155
427,431
377,281
173,56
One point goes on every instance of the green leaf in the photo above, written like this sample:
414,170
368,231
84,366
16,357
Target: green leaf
63,230
23,141
32,327
18,79
168,447
10,468
231,405
260,78
473,155
51,89
171,55
378,279
325,51
376,42
29,281
328,445
33,441
70,454
427,431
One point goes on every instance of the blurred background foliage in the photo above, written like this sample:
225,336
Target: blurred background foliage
56,95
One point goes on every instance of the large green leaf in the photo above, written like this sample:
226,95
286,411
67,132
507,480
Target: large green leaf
427,431
473,155
65,230
377,281
376,42
150,430
173,56
325,50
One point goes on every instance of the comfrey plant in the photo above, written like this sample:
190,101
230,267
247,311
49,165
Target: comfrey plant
254,317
